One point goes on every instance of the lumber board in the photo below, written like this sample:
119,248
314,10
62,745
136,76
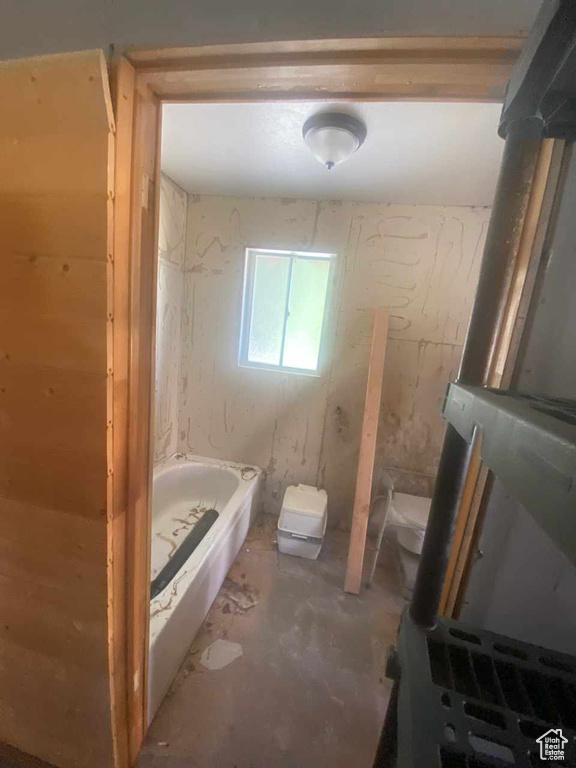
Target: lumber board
367,453
474,478
145,180
118,275
423,47
372,68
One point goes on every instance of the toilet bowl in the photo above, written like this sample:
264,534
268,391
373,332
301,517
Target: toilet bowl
409,514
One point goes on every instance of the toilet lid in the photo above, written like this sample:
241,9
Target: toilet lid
414,508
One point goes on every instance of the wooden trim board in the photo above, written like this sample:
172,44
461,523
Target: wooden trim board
118,357
143,266
363,492
470,540
560,158
123,81
418,47
389,68
474,478
536,217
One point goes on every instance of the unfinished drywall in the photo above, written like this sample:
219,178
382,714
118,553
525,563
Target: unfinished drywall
420,261
171,244
270,419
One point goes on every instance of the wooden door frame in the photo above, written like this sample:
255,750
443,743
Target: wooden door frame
368,69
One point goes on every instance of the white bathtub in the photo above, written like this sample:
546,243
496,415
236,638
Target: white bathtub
182,483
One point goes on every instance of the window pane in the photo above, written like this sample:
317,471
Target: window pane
307,302
268,308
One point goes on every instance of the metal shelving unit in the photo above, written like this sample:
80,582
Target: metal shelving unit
464,697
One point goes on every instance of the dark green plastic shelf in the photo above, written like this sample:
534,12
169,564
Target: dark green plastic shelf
529,443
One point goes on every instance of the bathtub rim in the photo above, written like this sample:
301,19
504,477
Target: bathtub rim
226,520
183,459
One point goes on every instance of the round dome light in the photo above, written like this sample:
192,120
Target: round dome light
333,136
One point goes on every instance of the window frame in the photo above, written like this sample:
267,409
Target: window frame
250,255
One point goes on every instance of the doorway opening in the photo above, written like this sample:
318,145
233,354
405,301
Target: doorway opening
269,267
231,405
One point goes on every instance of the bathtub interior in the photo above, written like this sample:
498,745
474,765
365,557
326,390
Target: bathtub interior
182,493
176,614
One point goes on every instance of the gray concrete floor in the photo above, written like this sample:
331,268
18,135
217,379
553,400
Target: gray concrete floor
309,690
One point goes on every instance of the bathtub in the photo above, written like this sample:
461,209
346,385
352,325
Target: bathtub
183,483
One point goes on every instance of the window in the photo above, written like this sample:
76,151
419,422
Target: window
284,309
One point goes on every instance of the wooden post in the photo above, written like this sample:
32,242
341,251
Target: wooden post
367,453
143,265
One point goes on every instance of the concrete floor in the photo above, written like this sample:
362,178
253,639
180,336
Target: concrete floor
309,690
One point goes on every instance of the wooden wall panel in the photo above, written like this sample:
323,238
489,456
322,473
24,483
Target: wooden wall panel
55,197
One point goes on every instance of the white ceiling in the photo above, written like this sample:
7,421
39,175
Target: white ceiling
415,153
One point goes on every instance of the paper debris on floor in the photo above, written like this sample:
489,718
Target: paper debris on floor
220,653
237,598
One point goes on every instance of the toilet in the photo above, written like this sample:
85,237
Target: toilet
409,515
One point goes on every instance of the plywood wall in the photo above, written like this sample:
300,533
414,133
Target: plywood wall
420,261
171,245
55,198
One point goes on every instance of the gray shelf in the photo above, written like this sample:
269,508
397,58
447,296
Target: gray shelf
530,444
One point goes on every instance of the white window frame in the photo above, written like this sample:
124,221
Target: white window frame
247,307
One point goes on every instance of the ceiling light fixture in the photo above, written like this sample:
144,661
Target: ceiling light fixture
333,136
